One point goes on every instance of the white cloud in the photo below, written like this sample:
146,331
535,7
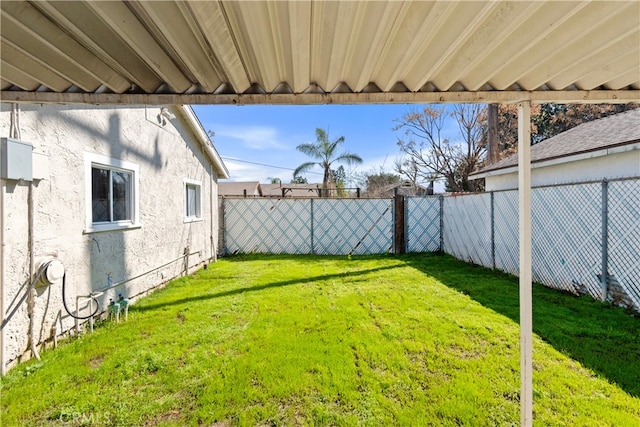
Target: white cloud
253,137
240,172
374,164
245,172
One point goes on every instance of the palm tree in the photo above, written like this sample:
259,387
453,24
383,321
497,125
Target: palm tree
323,151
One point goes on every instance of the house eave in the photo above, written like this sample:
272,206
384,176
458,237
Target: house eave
191,118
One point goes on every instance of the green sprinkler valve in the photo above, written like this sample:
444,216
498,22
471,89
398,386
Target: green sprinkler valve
114,310
124,305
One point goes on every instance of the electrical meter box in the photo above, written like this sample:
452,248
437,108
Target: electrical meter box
16,160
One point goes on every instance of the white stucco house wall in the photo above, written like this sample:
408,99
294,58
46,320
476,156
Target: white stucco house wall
118,195
605,148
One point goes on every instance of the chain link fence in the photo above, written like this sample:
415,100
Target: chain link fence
623,228
306,226
467,228
352,226
566,236
266,226
423,224
506,240
579,232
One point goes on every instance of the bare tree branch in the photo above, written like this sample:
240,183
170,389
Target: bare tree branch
430,154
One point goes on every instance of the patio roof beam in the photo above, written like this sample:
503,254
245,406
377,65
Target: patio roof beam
497,97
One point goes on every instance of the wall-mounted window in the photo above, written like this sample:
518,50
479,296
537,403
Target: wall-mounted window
111,193
192,196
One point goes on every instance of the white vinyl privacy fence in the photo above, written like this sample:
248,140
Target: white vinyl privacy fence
579,231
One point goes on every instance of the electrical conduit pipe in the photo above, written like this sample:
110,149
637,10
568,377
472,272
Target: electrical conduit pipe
2,280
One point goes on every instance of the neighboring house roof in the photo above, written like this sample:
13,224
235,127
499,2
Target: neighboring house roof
240,189
291,190
603,134
190,116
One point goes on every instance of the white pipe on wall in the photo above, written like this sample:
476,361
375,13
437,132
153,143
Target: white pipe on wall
3,369
33,342
14,132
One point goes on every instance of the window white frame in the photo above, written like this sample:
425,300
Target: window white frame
192,200
103,162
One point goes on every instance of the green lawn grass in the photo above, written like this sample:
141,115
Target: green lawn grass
419,339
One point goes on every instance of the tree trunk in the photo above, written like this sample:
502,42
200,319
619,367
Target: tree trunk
493,149
325,182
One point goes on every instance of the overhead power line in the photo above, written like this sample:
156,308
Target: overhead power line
263,164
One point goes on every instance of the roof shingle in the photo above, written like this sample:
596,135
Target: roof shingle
614,130
242,189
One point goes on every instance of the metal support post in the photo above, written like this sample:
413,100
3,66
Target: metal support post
441,199
399,224
312,242
526,317
406,225
493,233
604,278
223,227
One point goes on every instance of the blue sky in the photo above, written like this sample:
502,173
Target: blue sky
269,134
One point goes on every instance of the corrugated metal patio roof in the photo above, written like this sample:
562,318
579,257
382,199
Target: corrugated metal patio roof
174,52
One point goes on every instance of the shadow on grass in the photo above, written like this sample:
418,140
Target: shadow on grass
303,280
601,337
